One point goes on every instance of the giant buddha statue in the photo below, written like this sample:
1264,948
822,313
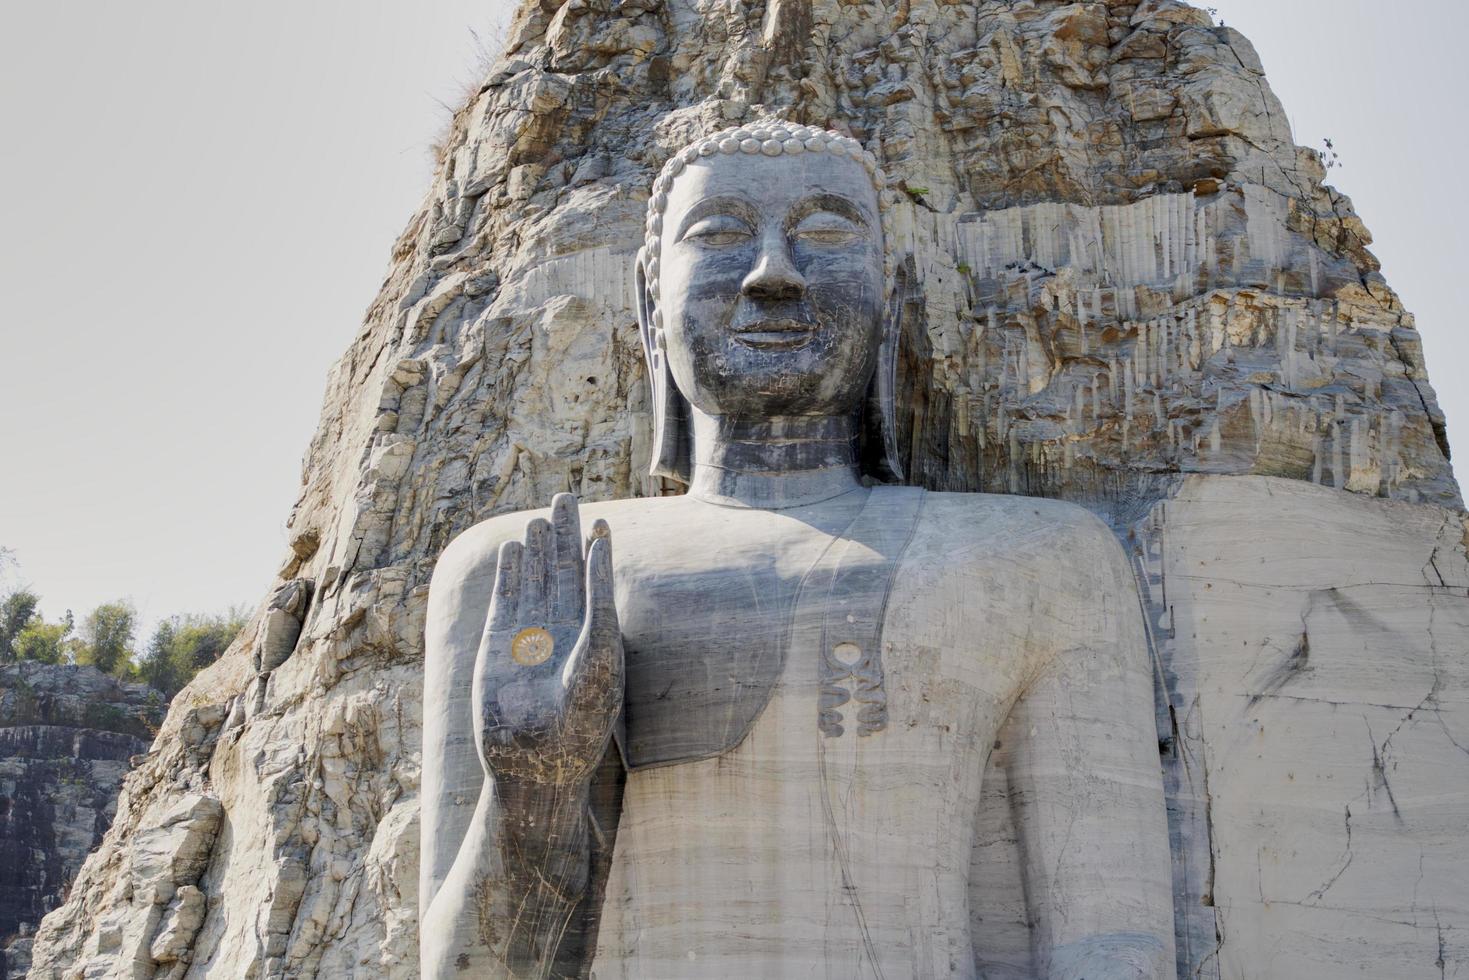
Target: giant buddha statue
753,743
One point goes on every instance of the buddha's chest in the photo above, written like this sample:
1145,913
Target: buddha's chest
831,851
711,650
808,721
706,639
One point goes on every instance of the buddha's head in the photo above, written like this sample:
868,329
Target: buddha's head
766,288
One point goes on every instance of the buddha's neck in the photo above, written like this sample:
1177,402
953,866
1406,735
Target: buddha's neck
773,463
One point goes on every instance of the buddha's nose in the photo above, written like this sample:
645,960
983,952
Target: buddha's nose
775,276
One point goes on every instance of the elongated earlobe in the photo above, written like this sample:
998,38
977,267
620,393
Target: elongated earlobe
670,430
879,449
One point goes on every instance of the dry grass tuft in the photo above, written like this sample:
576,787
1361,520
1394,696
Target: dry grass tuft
487,48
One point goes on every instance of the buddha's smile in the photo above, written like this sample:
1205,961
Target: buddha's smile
775,334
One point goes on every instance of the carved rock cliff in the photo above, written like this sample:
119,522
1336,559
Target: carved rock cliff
66,735
1121,278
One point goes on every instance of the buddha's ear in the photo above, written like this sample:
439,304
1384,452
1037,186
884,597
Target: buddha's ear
645,305
879,435
670,456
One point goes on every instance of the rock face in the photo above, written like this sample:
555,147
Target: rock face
1122,281
66,735
1316,727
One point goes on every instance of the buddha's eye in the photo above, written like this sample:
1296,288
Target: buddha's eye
826,228
718,230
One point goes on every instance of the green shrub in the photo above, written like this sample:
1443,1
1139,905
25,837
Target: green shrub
184,645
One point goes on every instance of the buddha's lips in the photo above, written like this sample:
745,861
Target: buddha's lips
775,334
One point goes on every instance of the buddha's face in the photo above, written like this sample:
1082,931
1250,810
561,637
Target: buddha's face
771,284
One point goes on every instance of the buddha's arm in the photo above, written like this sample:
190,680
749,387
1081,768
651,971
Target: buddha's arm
1088,795
521,858
518,877
540,715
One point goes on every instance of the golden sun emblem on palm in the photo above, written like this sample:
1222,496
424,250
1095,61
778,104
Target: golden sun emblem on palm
531,646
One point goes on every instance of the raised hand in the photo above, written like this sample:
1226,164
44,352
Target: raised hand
548,678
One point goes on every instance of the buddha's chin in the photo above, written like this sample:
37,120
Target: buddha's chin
769,383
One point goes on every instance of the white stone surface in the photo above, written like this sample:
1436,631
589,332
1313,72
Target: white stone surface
1315,646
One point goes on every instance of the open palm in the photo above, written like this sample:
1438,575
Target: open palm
548,678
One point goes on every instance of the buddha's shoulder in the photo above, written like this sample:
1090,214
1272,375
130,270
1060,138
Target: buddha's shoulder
993,515
961,530
1049,575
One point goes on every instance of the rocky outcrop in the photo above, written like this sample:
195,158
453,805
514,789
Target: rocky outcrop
1118,272
66,735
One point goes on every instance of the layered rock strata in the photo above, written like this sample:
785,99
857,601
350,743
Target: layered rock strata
66,736
1118,271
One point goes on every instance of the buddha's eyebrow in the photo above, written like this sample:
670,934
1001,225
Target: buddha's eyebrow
721,204
836,204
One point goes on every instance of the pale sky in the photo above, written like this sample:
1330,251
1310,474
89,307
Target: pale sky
198,200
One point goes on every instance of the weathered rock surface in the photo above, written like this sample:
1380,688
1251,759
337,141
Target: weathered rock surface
66,735
1315,709
1119,271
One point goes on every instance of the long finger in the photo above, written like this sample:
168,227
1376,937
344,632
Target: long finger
602,626
505,598
570,571
535,574
596,668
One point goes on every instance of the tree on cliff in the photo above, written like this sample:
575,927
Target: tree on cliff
184,645
106,638
180,647
16,612
48,643
25,634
